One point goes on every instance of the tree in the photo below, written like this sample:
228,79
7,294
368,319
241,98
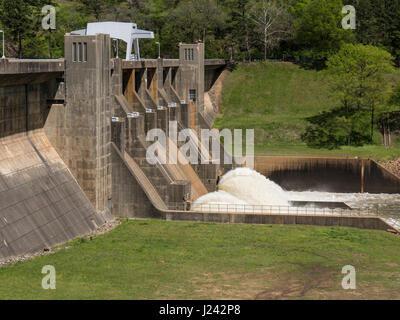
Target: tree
194,20
237,30
273,22
95,7
378,24
358,77
16,17
389,117
319,32
337,127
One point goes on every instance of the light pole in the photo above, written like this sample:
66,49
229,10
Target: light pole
158,49
3,57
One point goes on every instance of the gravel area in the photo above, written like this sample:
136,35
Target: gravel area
393,166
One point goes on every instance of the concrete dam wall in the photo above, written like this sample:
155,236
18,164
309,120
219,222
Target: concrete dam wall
327,174
73,146
41,202
73,140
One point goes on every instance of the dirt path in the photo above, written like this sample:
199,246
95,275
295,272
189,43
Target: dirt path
317,284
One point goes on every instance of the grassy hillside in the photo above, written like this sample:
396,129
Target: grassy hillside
275,99
159,259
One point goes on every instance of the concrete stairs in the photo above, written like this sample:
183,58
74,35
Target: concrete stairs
145,183
174,182
170,182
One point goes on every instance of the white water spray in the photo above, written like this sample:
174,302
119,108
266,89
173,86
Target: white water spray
213,199
245,186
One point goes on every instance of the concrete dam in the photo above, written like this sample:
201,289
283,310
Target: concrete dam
72,140
73,145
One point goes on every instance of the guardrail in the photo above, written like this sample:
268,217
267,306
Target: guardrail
391,217
272,209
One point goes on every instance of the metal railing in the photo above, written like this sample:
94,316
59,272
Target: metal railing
392,217
274,209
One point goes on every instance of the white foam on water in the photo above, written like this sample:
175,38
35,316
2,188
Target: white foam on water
245,186
214,199
249,185
385,203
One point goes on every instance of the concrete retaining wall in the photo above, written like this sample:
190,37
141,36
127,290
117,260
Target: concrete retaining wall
374,223
129,200
327,174
24,107
63,181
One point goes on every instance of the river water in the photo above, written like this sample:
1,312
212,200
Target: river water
245,186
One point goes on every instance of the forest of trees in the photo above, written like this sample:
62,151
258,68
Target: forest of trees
358,78
244,30
356,62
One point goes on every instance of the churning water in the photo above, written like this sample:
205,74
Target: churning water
381,203
243,186
250,186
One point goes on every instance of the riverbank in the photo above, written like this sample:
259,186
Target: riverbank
393,166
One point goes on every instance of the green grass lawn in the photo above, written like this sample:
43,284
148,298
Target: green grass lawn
152,259
275,99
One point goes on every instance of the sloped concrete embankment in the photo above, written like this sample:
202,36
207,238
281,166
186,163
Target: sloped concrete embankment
41,203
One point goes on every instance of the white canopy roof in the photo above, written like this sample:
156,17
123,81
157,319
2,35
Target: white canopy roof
125,31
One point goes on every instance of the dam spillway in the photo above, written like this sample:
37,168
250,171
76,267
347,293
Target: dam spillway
72,137
245,190
339,175
73,145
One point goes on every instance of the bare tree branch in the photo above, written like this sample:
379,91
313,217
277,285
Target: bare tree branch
273,20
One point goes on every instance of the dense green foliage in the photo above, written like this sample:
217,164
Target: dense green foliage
276,99
357,78
378,24
185,260
17,18
388,118
307,30
319,32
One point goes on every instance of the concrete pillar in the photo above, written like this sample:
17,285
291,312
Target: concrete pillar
152,83
130,86
141,82
160,73
191,79
87,115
